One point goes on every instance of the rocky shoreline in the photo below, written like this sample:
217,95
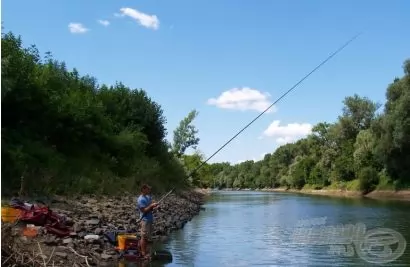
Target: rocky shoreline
96,216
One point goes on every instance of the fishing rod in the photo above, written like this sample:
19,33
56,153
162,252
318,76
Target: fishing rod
280,98
269,107
167,194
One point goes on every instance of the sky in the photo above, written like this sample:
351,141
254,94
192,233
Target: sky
228,59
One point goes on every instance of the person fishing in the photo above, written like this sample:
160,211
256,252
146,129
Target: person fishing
145,206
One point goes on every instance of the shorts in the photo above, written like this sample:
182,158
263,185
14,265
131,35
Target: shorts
146,230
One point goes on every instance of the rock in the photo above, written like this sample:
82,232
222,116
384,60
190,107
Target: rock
106,256
67,241
97,249
111,252
92,201
69,221
91,237
73,234
61,254
51,241
93,222
77,227
98,231
95,254
81,234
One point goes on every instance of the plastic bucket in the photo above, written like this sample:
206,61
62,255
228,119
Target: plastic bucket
122,238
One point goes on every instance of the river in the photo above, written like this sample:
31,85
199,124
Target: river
256,229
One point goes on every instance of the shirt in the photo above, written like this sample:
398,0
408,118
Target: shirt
143,202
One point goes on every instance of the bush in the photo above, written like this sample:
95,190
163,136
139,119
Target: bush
353,185
368,179
385,182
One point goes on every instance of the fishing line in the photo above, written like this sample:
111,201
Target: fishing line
280,98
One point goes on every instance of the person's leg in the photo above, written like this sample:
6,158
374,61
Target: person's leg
148,233
143,240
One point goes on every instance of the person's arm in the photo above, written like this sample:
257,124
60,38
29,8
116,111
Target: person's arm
149,208
142,203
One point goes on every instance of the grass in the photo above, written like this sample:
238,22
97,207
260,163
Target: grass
349,186
353,185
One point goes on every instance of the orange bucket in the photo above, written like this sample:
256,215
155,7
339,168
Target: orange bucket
122,240
9,214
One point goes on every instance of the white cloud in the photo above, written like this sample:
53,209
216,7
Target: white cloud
77,28
104,22
148,21
287,133
260,157
242,99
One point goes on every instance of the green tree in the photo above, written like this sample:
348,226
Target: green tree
64,133
185,135
393,130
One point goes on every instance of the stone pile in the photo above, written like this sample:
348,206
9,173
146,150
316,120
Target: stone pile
92,216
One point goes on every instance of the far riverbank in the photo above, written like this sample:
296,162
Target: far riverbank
403,195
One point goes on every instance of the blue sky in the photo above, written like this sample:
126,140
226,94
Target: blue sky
184,53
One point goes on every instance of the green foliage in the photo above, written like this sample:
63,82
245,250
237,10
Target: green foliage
353,185
185,135
63,133
385,182
368,179
394,129
360,151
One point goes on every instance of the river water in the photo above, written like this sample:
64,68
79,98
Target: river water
258,229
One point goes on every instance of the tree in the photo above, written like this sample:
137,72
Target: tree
64,133
185,135
393,130
364,150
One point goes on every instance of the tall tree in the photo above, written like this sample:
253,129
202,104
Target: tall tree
185,135
394,131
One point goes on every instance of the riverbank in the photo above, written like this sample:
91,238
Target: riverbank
376,194
96,216
403,195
